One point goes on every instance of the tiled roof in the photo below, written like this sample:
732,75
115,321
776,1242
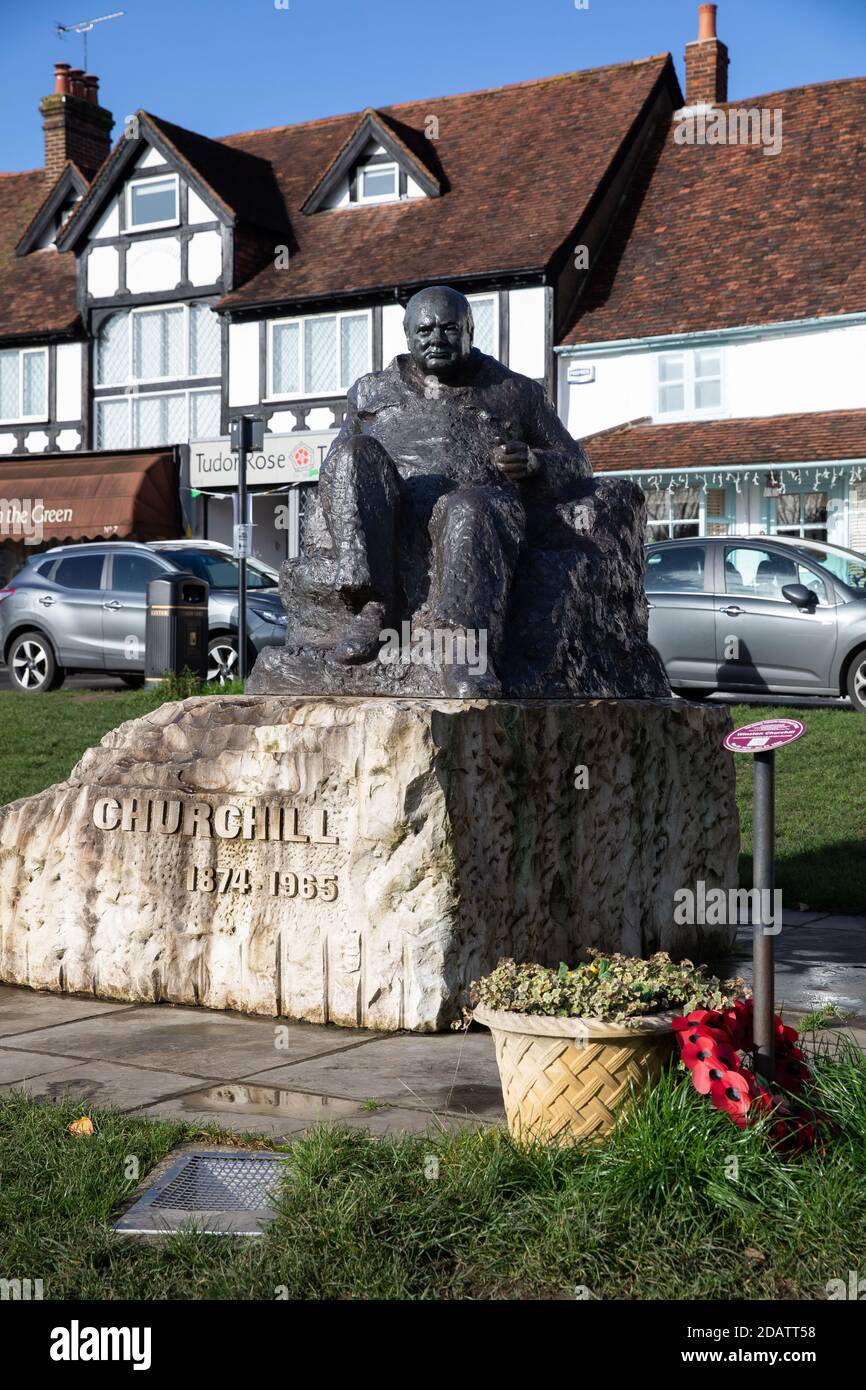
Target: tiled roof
240,180
37,292
521,164
716,236
712,444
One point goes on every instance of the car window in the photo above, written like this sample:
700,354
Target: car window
133,573
79,572
814,582
850,568
221,571
758,573
677,570
44,567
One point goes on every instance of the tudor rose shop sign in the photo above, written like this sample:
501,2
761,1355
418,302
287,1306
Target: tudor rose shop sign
285,459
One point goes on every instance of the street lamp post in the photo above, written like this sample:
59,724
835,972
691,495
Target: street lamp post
245,433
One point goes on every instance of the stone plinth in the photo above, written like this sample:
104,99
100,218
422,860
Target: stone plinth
359,861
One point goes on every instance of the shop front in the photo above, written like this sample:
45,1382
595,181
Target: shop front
279,477
59,499
801,475
821,504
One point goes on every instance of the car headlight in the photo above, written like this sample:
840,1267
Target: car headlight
269,617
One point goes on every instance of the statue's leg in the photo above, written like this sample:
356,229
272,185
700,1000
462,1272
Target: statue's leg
359,491
476,534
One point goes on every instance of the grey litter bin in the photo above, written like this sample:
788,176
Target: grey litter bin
177,627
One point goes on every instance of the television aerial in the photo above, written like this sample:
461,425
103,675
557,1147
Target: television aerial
84,27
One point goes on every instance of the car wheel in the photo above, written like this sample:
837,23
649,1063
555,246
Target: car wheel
222,664
686,692
32,667
857,682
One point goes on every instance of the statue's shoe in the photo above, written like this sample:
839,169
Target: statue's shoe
352,576
362,638
461,683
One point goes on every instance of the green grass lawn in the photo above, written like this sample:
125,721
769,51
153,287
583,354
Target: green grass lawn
657,1211
820,809
43,736
821,782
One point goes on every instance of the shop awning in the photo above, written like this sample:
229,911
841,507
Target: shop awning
88,497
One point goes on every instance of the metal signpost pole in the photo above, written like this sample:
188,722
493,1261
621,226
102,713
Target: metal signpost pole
243,443
761,740
245,433
763,881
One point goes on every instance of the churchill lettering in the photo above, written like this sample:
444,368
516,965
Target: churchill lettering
276,821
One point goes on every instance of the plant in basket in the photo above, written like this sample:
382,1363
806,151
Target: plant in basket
573,1043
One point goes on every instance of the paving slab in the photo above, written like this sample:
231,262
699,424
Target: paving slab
818,962
453,1072
198,1108
198,1042
278,1110
800,917
106,1084
16,1067
22,1010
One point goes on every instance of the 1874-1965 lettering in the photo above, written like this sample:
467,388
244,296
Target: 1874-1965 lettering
277,822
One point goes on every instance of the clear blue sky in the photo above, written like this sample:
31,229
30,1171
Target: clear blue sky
220,66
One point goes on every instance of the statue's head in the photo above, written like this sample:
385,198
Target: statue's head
439,328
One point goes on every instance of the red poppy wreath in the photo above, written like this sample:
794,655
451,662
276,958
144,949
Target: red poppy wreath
711,1045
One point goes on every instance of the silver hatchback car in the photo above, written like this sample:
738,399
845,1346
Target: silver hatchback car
83,609
769,614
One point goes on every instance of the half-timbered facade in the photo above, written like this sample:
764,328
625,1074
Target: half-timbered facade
658,289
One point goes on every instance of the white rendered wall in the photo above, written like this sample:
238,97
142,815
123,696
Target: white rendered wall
243,363
205,258
526,314
153,265
103,271
393,337
68,385
108,224
197,210
151,159
777,374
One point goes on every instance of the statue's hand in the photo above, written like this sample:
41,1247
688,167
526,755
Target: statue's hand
515,460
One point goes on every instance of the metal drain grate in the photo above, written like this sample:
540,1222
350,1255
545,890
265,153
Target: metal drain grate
221,1193
221,1184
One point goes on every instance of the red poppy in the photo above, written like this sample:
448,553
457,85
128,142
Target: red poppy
791,1071
730,1093
700,1033
738,1024
698,1048
709,1043
709,1016
706,1074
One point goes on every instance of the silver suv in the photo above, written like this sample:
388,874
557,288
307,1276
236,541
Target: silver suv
769,614
82,609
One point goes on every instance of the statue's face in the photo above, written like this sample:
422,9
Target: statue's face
439,332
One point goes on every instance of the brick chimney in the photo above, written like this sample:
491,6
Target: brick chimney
76,127
706,63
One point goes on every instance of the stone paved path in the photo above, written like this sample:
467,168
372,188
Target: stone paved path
278,1078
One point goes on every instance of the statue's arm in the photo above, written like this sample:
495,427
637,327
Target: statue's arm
351,426
558,459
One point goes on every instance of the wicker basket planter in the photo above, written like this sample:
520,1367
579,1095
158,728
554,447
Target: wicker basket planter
564,1079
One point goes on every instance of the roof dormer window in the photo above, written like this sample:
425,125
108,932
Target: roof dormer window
152,203
378,183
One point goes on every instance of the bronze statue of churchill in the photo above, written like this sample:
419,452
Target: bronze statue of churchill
454,500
